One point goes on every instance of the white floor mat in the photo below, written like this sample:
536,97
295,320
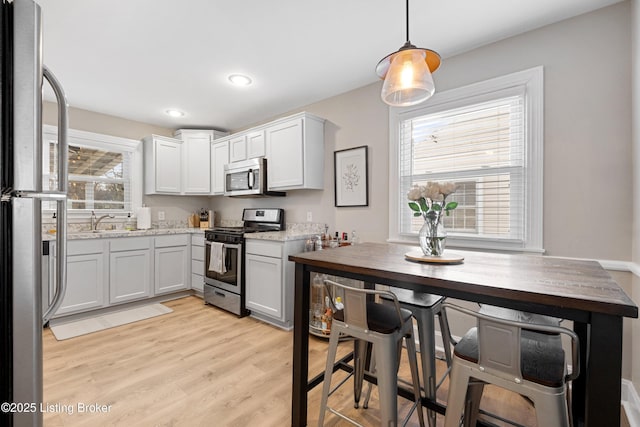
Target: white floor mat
76,328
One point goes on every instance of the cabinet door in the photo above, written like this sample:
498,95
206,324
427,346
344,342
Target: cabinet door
255,144
264,285
285,155
171,269
238,148
129,275
219,158
85,283
167,166
196,164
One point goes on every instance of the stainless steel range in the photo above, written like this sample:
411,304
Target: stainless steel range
224,278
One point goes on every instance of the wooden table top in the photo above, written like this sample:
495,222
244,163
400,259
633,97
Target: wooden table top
534,279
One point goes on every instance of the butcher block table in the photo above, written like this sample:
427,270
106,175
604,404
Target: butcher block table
581,291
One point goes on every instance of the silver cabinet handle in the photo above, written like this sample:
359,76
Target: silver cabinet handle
61,202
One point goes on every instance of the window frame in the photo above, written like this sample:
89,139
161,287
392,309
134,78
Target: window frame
531,81
108,143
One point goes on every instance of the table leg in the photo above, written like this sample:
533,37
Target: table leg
596,392
604,371
578,387
300,346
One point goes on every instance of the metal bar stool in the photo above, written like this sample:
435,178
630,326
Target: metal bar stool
518,356
383,326
425,307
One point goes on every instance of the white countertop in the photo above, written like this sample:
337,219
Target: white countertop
280,236
107,234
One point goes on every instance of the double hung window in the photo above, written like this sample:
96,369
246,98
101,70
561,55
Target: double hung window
102,171
487,138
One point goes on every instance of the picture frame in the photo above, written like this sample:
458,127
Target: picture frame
351,173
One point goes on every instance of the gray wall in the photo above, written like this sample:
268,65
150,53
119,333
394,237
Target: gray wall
588,161
175,209
635,55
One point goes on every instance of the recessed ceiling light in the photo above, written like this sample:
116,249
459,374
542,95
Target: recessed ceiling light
240,79
175,113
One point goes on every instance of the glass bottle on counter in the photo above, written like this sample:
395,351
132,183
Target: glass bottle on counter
317,303
354,238
130,224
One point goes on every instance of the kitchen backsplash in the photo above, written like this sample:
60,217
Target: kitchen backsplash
82,225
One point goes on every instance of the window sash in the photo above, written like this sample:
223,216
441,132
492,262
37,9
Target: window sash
520,164
483,141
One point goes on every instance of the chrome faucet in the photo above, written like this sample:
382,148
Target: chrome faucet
95,221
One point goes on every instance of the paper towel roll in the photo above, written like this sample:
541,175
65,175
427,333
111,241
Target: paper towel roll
144,218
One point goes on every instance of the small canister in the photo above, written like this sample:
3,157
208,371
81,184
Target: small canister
309,245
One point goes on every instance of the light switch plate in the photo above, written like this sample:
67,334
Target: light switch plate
160,215
309,216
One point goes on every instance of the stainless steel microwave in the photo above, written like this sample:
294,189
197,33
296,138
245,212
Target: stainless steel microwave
248,178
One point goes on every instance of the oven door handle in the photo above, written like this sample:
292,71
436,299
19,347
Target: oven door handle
226,245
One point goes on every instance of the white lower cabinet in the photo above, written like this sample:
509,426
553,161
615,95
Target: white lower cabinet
270,280
104,272
264,295
172,267
130,269
86,277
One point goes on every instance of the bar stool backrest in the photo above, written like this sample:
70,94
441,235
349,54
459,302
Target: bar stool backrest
500,344
355,303
499,348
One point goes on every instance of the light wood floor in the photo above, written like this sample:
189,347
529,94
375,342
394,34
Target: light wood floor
199,366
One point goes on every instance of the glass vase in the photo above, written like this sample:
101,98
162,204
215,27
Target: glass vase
432,235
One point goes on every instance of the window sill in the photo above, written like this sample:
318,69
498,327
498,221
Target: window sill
482,246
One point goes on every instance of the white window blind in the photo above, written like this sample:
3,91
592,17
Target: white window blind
487,138
481,148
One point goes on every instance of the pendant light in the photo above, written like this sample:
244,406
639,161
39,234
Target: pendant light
407,74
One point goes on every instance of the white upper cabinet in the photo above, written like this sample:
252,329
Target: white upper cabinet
295,153
255,144
238,148
219,158
196,160
180,165
162,165
246,145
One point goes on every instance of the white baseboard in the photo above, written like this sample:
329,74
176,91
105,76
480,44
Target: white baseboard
631,403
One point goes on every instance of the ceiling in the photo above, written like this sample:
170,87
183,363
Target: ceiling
136,59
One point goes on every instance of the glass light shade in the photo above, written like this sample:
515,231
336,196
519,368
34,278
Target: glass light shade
408,80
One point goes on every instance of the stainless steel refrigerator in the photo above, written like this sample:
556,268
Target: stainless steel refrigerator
21,314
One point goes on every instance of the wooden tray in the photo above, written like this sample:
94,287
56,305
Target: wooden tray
446,258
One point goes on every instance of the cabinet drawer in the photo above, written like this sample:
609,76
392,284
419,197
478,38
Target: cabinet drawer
83,247
130,244
173,240
270,249
197,267
197,282
197,253
197,240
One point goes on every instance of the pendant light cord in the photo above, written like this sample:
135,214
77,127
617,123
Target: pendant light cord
407,20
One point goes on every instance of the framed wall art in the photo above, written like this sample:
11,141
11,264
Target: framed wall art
351,173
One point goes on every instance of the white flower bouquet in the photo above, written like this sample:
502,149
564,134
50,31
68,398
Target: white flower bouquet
431,200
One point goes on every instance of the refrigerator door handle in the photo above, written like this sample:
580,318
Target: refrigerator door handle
61,202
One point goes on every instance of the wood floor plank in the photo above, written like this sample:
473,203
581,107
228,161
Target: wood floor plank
199,366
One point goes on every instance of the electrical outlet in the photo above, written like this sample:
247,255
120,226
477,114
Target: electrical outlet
309,216
160,215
